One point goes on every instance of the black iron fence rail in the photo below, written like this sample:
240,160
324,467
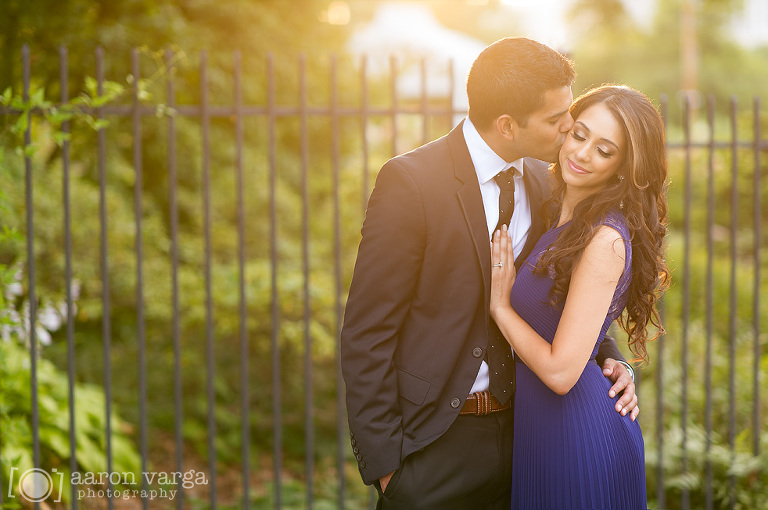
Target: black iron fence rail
365,112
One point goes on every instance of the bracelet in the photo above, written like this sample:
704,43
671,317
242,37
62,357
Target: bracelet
629,369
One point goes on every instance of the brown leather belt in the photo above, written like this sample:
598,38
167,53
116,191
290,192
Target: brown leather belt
482,404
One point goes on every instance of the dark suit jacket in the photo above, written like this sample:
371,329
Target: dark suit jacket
417,320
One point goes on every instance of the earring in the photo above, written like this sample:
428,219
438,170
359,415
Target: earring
621,177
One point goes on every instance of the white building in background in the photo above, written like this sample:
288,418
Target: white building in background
410,32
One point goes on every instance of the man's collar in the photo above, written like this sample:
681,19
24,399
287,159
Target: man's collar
487,163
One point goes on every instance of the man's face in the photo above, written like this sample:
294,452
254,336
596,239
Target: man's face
545,131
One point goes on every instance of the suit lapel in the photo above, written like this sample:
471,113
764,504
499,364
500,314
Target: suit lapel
471,203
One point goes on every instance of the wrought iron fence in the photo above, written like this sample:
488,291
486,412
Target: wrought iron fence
319,157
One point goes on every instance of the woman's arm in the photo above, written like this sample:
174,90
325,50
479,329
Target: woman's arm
591,290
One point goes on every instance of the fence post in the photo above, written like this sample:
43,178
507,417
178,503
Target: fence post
245,424
756,278
205,120
709,309
65,177
175,326
660,493
733,302
276,398
31,277
309,435
138,185
341,435
105,281
686,504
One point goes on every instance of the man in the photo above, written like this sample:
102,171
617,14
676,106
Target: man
431,424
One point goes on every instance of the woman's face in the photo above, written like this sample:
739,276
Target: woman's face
593,150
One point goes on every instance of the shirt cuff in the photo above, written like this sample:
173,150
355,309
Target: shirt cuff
629,368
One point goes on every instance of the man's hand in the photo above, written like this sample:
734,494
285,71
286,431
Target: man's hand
384,481
619,375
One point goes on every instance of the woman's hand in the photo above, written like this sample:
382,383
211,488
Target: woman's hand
502,270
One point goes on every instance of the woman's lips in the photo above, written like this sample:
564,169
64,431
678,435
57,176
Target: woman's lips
576,168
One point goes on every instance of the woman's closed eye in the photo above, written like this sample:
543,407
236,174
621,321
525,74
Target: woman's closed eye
581,138
603,153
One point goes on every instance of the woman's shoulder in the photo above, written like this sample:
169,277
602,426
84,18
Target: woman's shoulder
605,255
616,220
613,228
606,245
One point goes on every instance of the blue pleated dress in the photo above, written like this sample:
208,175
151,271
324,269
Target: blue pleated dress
572,451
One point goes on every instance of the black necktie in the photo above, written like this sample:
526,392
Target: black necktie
506,182
501,366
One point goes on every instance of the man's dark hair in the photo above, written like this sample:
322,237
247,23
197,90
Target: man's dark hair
511,76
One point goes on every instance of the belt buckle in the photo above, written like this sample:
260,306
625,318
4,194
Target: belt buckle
483,403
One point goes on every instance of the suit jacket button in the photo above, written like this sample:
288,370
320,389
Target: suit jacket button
354,442
477,352
359,457
362,465
356,450
455,403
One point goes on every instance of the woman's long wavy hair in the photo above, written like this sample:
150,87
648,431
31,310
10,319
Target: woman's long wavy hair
638,190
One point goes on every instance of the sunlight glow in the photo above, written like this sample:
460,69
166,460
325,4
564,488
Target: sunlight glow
338,13
543,20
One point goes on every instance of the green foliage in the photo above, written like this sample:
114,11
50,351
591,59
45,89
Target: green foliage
8,237
717,460
53,405
156,214
53,397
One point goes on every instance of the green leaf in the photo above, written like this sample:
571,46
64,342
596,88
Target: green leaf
37,97
113,89
100,124
59,116
30,150
21,124
99,101
60,138
91,85
55,439
5,98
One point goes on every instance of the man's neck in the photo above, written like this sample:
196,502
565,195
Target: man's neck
499,145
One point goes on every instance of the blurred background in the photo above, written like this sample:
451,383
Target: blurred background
182,184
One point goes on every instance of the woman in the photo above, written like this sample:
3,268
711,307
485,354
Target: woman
600,261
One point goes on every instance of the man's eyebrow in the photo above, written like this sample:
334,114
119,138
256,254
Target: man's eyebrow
606,140
557,115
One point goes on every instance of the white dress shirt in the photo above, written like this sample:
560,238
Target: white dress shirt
487,164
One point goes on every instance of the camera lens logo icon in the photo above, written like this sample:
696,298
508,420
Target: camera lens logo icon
35,485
